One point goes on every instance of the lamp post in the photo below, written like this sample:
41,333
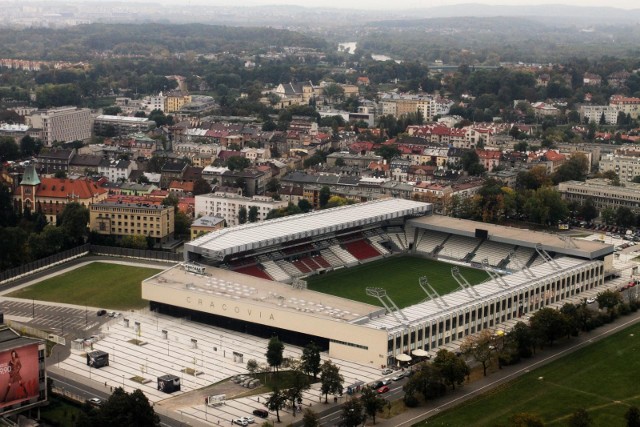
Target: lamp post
33,308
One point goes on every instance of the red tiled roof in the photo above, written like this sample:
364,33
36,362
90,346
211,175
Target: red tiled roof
64,187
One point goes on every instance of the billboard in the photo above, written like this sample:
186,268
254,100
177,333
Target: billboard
19,375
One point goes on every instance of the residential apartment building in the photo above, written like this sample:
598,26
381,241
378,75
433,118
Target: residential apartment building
63,124
627,167
132,219
116,170
602,193
173,101
228,205
121,125
54,160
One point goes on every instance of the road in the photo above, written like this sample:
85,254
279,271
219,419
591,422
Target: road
86,392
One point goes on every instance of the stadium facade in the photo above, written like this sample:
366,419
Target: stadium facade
253,278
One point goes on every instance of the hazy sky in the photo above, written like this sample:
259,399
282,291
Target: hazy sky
407,4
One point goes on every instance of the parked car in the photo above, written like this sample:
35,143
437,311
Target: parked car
591,300
383,389
387,371
94,401
398,377
376,385
387,381
249,420
262,413
101,312
240,422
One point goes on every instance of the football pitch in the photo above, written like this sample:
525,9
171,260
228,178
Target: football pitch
601,378
398,275
98,284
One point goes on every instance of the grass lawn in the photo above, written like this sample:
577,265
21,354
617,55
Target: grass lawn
398,275
60,412
601,378
97,284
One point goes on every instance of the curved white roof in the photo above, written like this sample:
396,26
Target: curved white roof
219,244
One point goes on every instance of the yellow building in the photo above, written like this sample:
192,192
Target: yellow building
175,100
206,224
132,219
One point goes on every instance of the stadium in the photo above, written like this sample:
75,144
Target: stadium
335,277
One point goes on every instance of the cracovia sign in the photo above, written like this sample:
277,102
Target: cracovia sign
230,308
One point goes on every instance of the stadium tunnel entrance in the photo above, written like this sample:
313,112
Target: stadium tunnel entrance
250,328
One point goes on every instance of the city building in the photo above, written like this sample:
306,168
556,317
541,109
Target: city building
121,125
51,195
118,219
625,166
116,170
602,194
54,160
205,224
63,124
227,206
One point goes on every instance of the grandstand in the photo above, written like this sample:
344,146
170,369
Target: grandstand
248,268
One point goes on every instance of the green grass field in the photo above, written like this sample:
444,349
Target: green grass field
601,378
97,284
398,275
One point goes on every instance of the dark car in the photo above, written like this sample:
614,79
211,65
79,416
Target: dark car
102,312
262,413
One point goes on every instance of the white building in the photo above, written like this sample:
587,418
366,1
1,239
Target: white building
63,124
227,206
627,167
116,170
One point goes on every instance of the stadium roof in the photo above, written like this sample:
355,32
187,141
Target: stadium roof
515,236
246,237
462,299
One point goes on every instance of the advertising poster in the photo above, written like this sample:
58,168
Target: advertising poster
18,375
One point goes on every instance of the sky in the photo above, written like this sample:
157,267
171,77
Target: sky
409,4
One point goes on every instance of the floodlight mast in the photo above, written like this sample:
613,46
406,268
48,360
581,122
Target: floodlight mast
387,302
432,294
545,256
522,267
494,276
463,283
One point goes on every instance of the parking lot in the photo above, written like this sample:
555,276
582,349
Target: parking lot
57,318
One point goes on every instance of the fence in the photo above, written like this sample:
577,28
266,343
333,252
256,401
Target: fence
43,263
80,251
135,253
33,332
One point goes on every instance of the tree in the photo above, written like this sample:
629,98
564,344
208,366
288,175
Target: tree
453,368
426,380
311,359
608,215
625,217
30,146
388,152
330,380
9,150
121,409
480,347
545,206
273,185
242,215
632,416
253,214
298,385
238,163
522,337
548,325
304,205
325,194
352,414
333,91
310,418
580,418
201,186
525,419
471,163
182,223
588,211
275,352
608,300
252,366
276,401
574,169
73,220
372,402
